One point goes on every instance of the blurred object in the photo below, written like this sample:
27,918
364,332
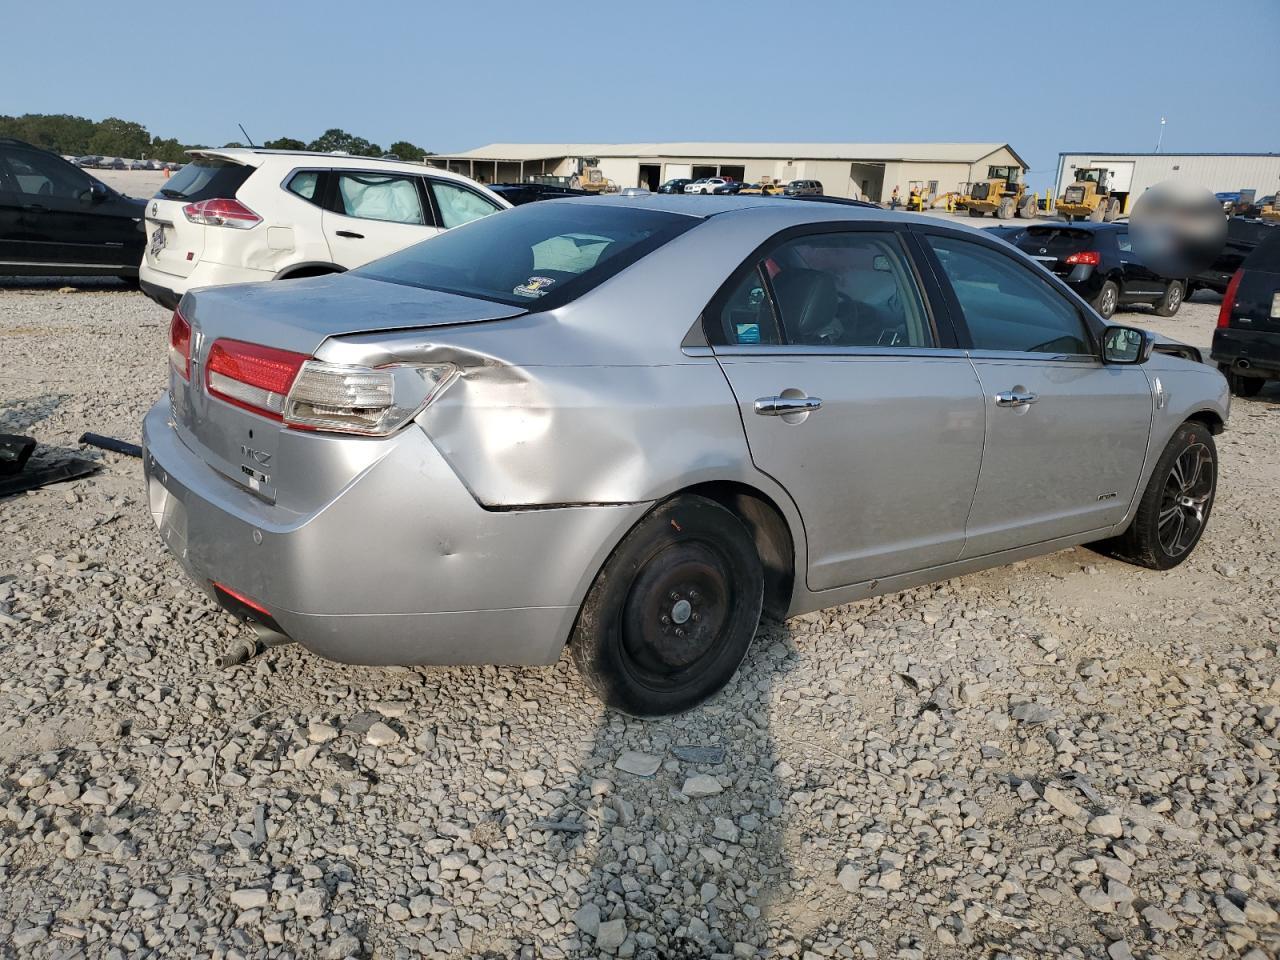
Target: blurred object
42,473
1178,228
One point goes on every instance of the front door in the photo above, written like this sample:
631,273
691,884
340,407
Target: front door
373,214
1066,435
851,402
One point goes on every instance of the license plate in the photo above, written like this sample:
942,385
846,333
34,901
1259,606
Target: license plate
157,241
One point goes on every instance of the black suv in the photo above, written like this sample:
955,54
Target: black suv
519,193
1246,344
1243,237
1097,260
55,219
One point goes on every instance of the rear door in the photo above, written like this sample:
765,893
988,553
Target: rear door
853,399
1066,435
372,213
1139,282
456,203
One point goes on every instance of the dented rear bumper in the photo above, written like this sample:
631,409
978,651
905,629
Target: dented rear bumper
400,566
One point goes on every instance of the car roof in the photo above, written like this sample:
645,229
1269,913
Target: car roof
258,156
799,210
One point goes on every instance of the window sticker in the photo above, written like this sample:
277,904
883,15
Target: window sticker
748,332
533,287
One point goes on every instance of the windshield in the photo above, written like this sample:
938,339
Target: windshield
541,254
205,179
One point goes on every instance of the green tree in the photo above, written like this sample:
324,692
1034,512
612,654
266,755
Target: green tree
60,133
409,151
339,140
285,143
120,138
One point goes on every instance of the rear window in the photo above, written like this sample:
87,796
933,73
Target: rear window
1055,241
206,178
539,256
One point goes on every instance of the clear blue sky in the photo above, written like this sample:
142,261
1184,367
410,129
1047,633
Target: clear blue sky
450,76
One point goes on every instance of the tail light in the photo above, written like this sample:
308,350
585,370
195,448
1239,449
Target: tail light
308,394
1087,258
180,345
221,213
1229,299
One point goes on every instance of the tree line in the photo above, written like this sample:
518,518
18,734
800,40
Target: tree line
113,137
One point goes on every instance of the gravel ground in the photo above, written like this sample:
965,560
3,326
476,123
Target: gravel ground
1069,756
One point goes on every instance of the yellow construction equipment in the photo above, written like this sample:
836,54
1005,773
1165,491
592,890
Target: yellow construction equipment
767,187
592,179
1270,211
1002,193
1089,197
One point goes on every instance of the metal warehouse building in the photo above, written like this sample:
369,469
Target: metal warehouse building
1132,173
866,170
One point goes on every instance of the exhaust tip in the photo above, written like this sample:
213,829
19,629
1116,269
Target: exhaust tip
1242,364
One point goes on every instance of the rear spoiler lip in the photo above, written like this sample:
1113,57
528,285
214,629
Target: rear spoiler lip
210,153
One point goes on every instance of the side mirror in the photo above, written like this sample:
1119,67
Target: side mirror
1126,345
96,193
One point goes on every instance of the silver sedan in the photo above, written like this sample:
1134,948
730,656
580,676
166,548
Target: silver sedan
636,424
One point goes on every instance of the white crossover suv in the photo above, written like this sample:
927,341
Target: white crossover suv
243,214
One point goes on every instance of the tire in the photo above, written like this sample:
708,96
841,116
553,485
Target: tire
1107,299
1028,210
690,558
975,213
1165,530
1242,386
1097,213
1113,210
1171,300
1005,210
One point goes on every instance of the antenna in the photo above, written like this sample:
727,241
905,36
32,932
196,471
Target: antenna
1160,139
249,140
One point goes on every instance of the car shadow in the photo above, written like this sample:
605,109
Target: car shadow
676,874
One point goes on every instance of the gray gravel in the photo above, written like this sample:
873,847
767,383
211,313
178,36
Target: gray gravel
1065,757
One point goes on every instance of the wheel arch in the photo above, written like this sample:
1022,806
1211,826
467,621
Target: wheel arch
1210,418
311,268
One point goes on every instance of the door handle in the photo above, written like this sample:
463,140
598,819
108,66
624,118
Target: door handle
781,406
34,207
350,236
1014,398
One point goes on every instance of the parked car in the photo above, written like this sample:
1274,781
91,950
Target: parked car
705,185
89,161
762,189
1246,343
789,406
154,164
730,187
803,188
56,219
138,165
242,214
675,186
1243,236
116,163
1098,261
519,193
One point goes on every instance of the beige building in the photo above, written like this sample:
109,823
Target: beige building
859,170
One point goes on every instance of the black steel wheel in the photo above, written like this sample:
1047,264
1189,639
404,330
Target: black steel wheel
1175,507
673,611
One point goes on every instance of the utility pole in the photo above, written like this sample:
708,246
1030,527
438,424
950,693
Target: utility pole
1160,139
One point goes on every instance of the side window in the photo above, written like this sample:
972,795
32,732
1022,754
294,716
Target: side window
1123,242
458,205
847,290
379,196
38,175
747,317
1006,306
305,183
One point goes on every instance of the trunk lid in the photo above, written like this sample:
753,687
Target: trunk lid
261,454
1257,301
174,244
1052,245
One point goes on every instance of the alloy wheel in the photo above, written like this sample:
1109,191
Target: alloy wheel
1187,491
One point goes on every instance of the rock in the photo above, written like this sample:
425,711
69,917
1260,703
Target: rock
702,755
849,878
638,764
249,898
1106,825
311,902
587,919
725,830
1059,800
321,732
144,899
381,735
701,785
1034,713
1158,919
611,934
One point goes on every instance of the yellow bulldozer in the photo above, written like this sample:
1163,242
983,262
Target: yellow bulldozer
1002,193
1089,197
592,179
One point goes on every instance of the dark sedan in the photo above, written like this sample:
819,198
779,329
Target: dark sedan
675,186
57,220
1098,261
520,193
